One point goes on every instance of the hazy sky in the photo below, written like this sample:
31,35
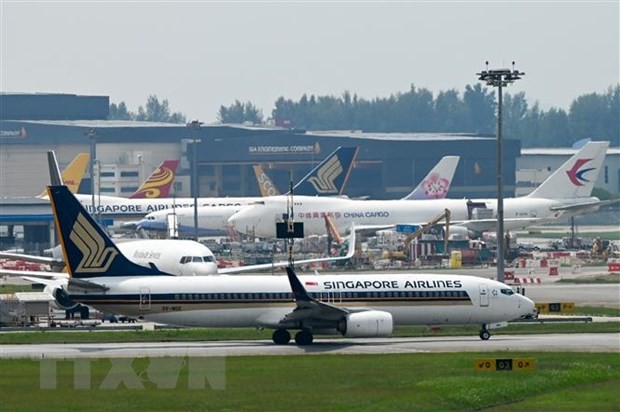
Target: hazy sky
200,55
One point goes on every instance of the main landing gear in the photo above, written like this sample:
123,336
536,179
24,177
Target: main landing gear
302,338
484,333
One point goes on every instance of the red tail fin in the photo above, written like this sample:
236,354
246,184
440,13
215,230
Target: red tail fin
159,182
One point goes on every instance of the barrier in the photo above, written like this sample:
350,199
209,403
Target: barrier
509,275
553,271
613,266
530,280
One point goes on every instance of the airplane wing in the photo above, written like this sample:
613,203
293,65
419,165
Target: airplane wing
306,307
265,266
34,274
486,225
31,258
586,207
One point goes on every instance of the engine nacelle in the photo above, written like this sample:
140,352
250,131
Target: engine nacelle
62,299
368,324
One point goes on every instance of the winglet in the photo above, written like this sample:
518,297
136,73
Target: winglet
299,292
52,163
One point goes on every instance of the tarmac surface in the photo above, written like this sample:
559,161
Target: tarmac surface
574,342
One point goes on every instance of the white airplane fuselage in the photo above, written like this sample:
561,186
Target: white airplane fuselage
311,211
263,301
120,207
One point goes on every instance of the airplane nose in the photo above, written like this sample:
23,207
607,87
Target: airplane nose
528,307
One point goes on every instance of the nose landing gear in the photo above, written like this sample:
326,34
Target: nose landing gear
484,333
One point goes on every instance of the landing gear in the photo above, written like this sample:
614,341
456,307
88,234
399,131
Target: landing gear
281,337
303,337
484,333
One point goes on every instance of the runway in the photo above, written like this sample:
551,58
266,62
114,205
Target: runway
575,342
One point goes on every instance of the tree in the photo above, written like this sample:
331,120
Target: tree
158,112
119,112
480,104
240,113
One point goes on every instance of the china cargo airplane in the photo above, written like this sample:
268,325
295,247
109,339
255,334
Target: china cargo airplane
435,184
328,178
565,193
213,221
330,175
352,305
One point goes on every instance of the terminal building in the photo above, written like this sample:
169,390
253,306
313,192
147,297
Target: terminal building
388,165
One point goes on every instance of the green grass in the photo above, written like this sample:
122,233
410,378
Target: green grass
561,381
595,311
204,334
8,289
609,278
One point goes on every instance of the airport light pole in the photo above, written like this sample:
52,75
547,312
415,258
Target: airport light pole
194,127
92,135
500,78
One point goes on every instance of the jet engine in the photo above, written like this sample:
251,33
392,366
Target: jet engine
62,299
368,324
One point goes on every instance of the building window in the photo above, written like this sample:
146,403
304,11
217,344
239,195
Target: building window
106,190
129,189
606,175
106,174
129,174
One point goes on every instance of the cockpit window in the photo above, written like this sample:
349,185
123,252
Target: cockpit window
197,259
507,292
208,259
184,260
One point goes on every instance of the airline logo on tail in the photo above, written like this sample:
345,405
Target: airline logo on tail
435,186
575,174
158,184
323,182
96,258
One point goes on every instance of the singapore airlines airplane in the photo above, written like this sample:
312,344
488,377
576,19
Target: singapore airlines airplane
328,178
352,305
565,193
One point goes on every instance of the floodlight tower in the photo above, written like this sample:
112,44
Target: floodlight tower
92,135
500,78
194,127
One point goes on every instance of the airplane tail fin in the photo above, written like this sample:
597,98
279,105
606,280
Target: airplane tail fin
330,176
436,183
89,252
159,182
577,176
72,175
266,185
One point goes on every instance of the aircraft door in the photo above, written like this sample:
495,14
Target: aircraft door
145,298
484,295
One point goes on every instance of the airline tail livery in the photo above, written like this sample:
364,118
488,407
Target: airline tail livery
159,182
72,175
436,183
577,176
330,176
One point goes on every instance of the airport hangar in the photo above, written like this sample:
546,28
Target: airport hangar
388,166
